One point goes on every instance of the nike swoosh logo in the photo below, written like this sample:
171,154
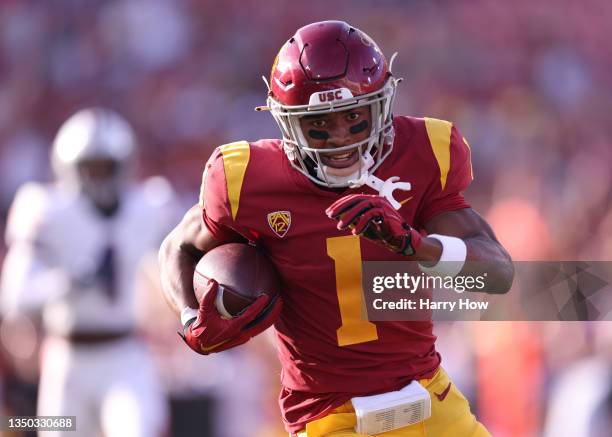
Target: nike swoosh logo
213,347
442,396
405,200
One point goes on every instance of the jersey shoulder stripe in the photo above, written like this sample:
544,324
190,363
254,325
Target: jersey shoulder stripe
235,157
235,161
439,133
470,156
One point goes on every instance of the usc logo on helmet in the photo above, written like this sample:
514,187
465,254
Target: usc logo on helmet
330,96
279,222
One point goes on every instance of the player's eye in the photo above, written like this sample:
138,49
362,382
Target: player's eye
353,116
319,124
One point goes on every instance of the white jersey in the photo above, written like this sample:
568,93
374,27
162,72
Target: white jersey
77,264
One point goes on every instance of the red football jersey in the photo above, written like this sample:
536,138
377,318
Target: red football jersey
329,352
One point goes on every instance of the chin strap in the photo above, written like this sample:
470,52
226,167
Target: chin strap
367,161
384,188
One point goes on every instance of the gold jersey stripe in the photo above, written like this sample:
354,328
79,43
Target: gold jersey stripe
235,160
470,157
439,133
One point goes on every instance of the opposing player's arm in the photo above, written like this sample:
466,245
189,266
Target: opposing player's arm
28,280
178,256
30,275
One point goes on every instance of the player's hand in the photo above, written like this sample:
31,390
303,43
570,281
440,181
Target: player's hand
209,332
374,218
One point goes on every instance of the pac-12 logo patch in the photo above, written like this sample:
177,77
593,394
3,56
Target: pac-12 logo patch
279,222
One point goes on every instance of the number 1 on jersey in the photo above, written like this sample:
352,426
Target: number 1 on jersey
346,253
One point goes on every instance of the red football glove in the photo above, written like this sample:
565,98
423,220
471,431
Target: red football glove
374,218
209,332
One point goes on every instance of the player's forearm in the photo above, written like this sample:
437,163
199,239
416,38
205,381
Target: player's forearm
487,257
484,256
177,265
28,281
178,256
428,253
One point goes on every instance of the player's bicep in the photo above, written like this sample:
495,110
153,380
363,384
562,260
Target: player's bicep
192,235
195,236
463,223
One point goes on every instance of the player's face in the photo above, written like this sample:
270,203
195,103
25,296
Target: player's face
97,170
338,129
100,182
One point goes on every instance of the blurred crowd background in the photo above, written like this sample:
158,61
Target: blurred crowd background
529,84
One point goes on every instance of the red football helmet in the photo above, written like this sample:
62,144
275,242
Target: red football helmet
325,67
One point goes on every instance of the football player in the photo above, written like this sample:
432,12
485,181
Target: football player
333,192
73,255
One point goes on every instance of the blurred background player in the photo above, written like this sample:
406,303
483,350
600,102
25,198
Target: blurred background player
75,248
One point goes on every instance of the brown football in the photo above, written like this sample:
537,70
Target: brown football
243,272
